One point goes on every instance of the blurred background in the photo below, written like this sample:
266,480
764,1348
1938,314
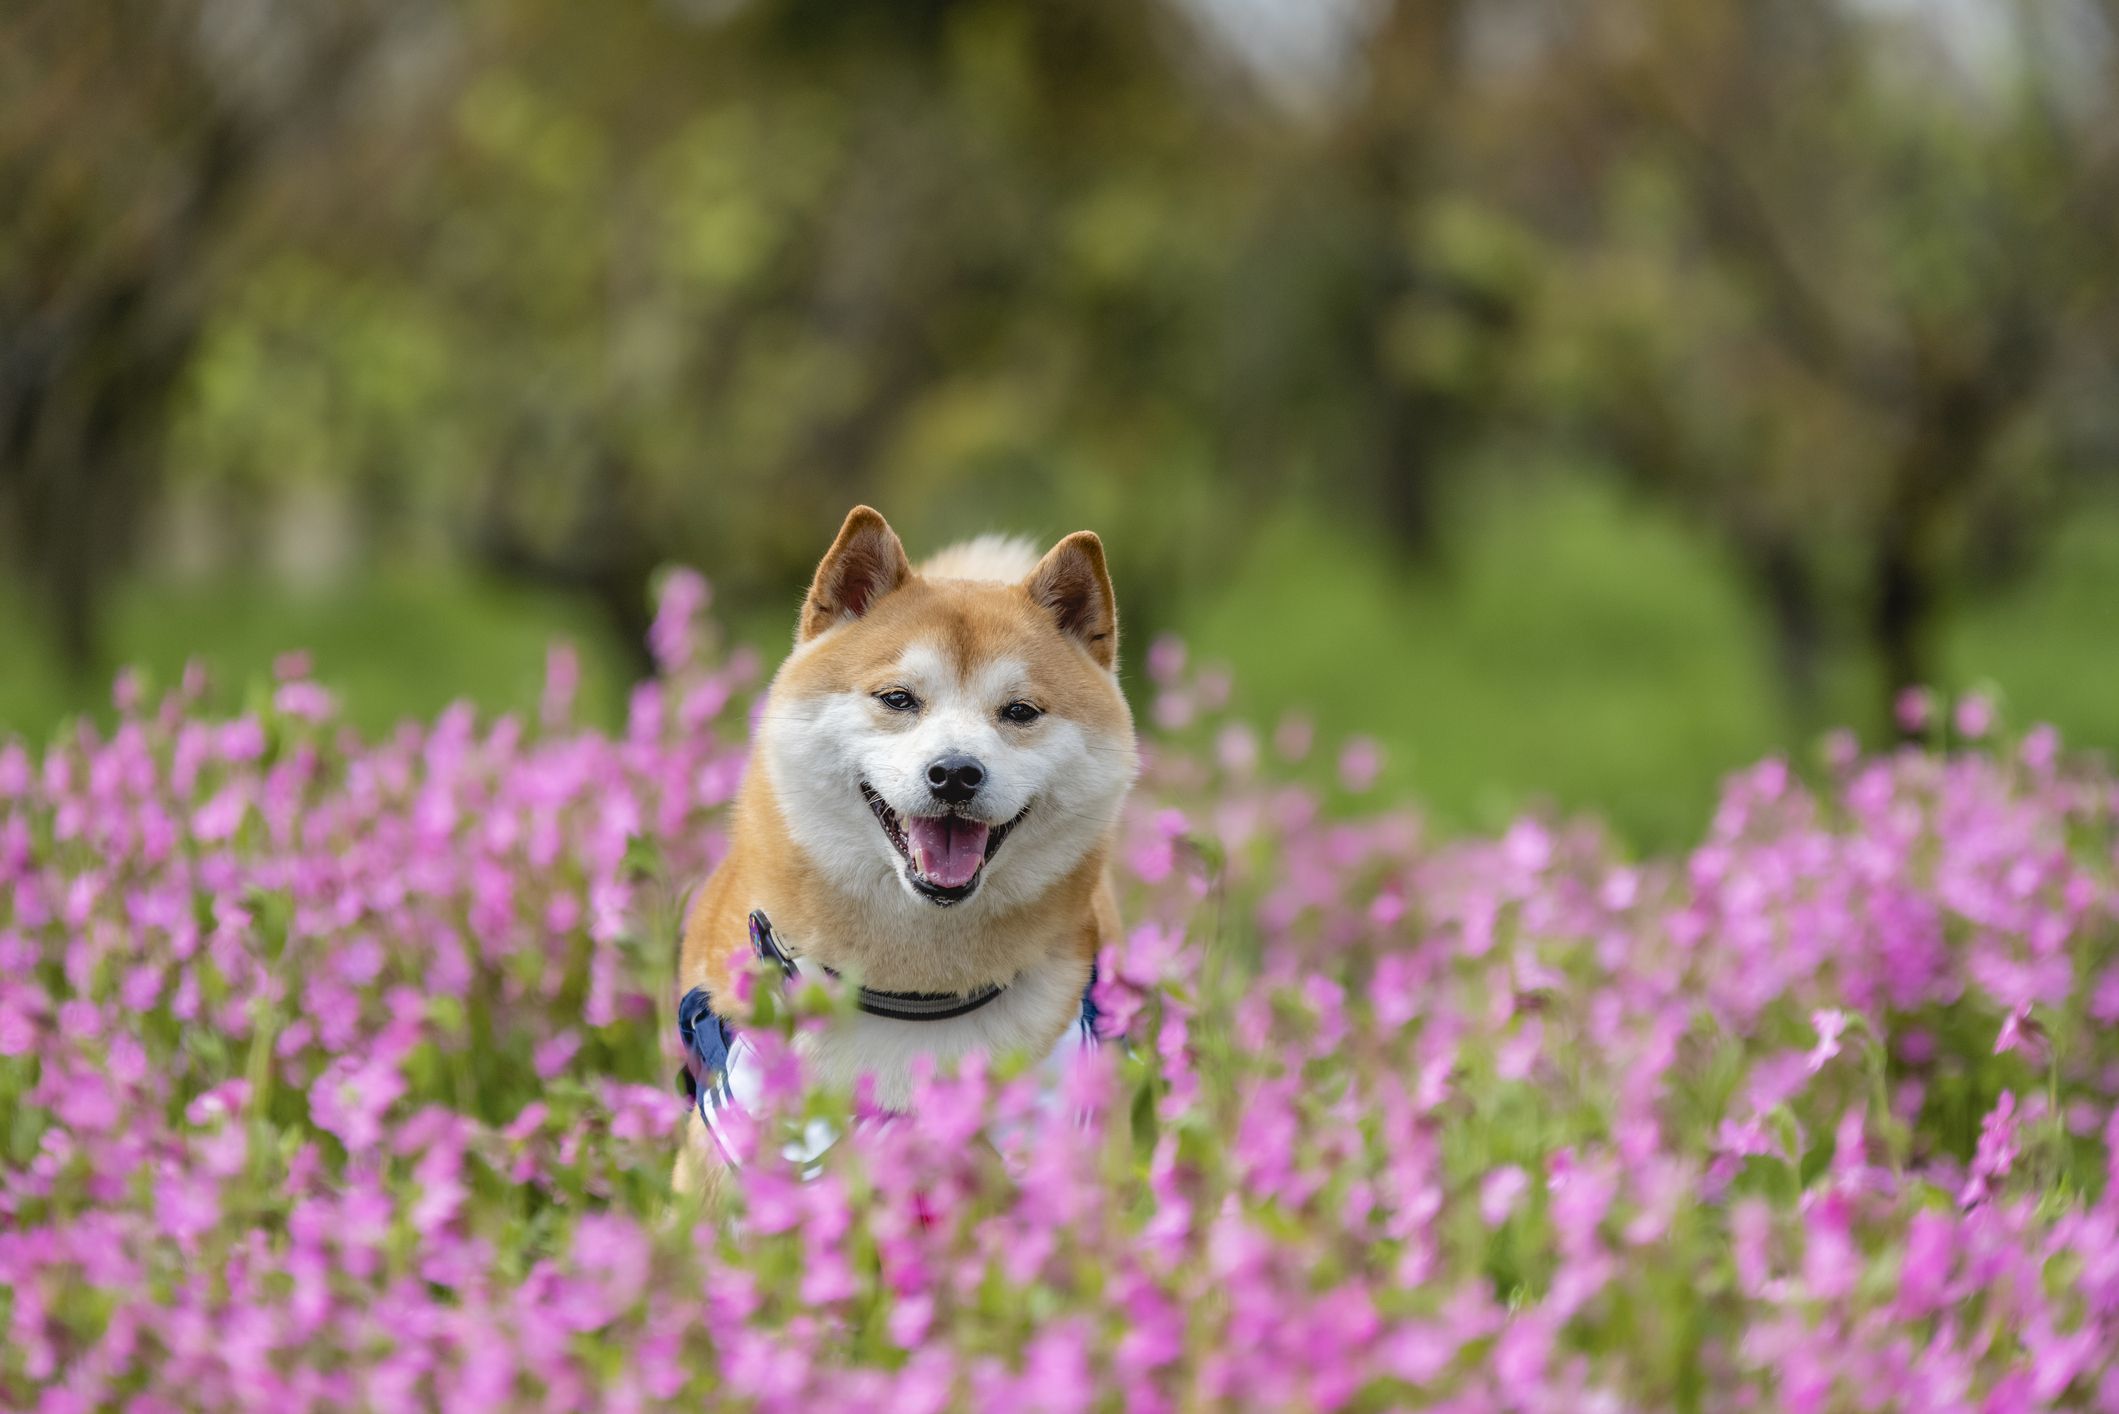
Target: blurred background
1581,399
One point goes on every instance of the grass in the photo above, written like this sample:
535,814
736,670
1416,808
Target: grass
2050,644
391,647
1588,652
1582,652
1579,653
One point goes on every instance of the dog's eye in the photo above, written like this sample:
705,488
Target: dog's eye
898,700
1021,713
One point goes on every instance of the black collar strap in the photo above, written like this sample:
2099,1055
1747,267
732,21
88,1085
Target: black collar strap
893,1006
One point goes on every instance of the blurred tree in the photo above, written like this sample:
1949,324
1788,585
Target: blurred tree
1383,287
689,286
572,291
1844,284
141,146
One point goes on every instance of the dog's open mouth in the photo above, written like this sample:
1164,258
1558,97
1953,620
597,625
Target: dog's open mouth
943,853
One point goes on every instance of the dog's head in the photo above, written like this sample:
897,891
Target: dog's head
957,744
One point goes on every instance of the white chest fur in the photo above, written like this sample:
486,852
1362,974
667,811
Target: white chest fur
1040,1006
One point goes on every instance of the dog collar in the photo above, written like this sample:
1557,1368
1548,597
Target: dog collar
715,1076
893,1006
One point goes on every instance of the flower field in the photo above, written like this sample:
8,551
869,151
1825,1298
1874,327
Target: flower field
337,1073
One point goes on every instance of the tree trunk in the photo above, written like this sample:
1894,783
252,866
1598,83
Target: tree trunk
1406,474
1901,629
85,417
606,553
1956,420
1796,619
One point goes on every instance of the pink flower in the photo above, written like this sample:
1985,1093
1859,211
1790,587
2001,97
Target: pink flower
1056,1375
1360,763
1173,711
2040,749
1166,660
1830,1024
1924,1272
1831,1262
2019,1031
562,681
1499,1192
553,1053
616,1252
241,740
1842,749
1751,1244
1996,1154
672,637
126,691
1419,1351
303,699
2104,996
1913,709
772,1199
18,1032
1975,716
1280,1182
186,1206
219,818
351,1098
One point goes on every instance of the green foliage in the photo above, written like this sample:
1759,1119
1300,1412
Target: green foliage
555,294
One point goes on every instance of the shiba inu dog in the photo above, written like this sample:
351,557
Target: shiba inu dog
932,793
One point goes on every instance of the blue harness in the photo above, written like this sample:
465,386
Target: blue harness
711,1044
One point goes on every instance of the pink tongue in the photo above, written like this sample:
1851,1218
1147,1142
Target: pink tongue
946,849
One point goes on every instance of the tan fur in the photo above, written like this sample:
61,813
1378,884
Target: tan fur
1056,617
700,1171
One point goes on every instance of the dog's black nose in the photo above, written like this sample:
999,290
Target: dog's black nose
955,778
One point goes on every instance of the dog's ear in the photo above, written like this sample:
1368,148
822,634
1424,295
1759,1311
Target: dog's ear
1072,585
865,563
